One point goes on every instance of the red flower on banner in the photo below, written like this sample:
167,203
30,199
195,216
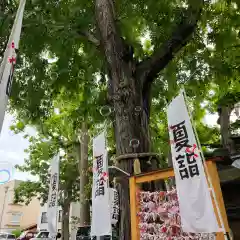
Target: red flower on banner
12,45
189,150
12,60
103,177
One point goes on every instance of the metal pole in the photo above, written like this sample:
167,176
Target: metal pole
6,190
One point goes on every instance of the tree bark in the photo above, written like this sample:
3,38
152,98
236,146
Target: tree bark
84,204
126,94
65,219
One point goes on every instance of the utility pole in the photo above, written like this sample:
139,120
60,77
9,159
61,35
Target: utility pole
6,190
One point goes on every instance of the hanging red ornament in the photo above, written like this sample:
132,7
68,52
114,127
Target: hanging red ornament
164,229
162,194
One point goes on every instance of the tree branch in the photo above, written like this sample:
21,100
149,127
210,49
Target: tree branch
90,37
148,69
111,41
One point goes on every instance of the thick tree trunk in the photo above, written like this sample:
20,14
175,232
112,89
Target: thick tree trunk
130,87
65,219
84,204
125,131
131,127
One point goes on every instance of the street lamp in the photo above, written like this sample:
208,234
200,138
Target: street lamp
6,190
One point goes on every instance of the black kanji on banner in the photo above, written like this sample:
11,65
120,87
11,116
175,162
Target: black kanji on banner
115,213
9,83
53,197
188,168
183,171
100,181
192,164
99,160
180,136
99,191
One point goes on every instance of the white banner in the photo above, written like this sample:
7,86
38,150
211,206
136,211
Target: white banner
236,164
236,160
114,200
196,208
101,211
52,207
9,60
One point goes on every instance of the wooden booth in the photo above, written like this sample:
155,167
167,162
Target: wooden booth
137,180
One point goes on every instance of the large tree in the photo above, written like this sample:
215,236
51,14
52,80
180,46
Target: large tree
104,37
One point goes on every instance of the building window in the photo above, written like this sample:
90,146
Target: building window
44,217
16,218
60,216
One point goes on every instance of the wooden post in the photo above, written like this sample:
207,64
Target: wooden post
133,209
212,170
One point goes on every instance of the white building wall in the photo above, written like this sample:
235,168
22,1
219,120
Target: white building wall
74,212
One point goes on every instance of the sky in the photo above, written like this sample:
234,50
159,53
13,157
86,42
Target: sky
12,151
12,148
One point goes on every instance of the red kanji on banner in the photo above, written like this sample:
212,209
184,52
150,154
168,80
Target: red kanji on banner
189,150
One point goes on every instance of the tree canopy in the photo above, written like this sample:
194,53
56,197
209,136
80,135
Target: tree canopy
123,61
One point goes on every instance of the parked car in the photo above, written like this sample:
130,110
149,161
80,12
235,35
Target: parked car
5,236
84,233
27,235
44,235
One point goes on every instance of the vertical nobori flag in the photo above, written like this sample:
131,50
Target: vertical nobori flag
114,200
195,203
9,60
101,209
52,207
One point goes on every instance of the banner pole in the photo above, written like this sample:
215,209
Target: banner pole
226,236
9,60
57,196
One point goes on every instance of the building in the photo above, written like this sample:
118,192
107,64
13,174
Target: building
16,216
73,219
